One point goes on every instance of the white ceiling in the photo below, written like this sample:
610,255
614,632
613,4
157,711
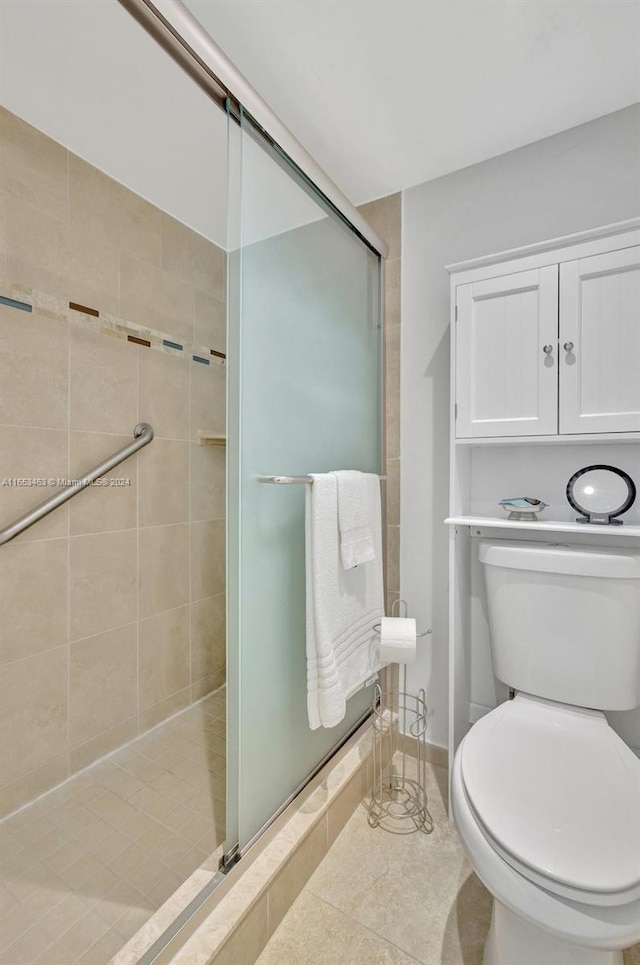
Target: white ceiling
85,73
386,94
383,93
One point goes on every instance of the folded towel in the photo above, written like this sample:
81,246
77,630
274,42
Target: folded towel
355,518
342,605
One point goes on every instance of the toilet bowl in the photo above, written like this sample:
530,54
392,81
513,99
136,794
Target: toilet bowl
546,798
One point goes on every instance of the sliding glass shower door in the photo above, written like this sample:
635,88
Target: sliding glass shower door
304,396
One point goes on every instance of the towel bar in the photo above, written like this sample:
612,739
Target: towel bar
294,480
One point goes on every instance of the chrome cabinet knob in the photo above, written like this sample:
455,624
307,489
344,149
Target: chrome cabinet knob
568,346
547,349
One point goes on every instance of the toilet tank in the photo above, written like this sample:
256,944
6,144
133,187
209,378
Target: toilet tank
565,621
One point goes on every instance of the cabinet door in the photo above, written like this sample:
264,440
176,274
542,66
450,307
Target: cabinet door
600,343
506,355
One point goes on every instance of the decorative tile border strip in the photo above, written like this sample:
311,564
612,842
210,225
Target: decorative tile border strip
52,306
22,306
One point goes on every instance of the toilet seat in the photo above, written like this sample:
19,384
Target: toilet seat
557,794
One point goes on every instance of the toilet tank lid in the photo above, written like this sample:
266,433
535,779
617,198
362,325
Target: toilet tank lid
601,561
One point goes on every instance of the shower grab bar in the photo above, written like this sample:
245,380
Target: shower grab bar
293,480
143,434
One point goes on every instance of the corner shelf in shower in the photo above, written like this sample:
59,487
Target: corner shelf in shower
545,526
210,438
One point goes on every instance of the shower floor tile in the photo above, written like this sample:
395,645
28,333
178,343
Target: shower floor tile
86,865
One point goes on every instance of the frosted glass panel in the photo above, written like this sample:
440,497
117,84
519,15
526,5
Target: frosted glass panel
305,389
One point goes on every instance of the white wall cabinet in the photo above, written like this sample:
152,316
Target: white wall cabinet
545,369
553,349
507,340
600,343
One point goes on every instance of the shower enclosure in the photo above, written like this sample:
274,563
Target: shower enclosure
304,396
168,255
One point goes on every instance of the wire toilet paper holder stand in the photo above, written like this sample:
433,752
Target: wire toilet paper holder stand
399,801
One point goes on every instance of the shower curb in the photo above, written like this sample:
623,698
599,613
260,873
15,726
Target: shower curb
234,925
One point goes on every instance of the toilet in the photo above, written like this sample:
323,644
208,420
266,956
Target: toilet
545,794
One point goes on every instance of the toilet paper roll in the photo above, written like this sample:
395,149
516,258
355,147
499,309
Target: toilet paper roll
397,640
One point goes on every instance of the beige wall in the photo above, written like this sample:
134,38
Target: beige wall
111,608
385,217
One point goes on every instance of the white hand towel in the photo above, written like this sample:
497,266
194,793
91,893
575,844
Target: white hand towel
342,605
355,518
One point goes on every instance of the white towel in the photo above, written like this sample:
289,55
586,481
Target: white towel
355,518
342,605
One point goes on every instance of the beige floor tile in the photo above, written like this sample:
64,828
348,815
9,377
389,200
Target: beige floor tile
315,933
84,934
164,887
56,954
109,849
189,861
133,918
86,866
150,874
7,902
127,861
136,764
81,871
367,876
430,883
119,900
151,803
28,947
66,914
99,885
101,951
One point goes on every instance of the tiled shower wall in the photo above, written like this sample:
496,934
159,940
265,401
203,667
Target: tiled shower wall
112,607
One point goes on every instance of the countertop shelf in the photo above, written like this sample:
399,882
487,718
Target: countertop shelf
578,439
546,526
